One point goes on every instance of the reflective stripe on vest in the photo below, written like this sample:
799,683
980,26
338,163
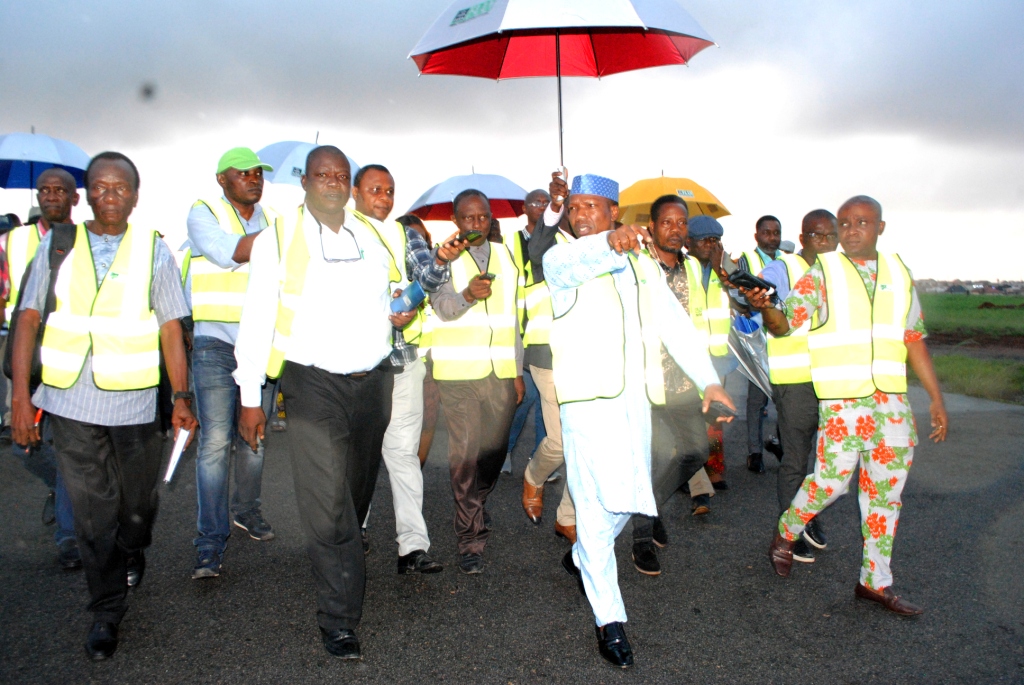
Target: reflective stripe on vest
788,358
22,243
709,311
396,241
860,346
217,294
538,308
483,339
294,255
429,321
115,321
588,342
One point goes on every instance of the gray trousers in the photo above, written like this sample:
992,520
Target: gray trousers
798,423
336,427
682,425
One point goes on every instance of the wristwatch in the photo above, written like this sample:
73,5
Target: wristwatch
183,395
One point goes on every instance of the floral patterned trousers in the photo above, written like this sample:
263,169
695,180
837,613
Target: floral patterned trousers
883,473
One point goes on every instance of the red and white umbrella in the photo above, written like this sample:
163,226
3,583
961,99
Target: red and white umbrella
500,39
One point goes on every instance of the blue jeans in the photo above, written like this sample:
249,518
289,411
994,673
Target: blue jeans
41,462
531,398
217,408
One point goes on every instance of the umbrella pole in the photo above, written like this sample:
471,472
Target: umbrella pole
558,74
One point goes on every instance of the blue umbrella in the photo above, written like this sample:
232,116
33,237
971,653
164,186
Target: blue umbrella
507,198
23,156
289,161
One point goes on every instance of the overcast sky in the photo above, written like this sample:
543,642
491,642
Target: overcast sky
802,105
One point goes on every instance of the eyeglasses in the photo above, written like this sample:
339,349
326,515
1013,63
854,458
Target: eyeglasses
823,236
342,245
537,203
709,239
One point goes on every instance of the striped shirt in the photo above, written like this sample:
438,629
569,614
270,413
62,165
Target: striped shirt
420,265
83,401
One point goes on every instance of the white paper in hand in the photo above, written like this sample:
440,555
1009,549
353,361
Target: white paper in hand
179,447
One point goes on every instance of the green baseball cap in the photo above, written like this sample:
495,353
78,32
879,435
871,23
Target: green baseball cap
240,158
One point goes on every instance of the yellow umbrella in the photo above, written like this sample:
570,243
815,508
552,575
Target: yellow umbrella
635,201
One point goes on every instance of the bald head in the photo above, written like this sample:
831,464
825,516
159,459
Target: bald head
326,151
56,194
57,175
867,200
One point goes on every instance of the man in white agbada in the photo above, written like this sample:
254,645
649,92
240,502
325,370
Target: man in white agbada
613,312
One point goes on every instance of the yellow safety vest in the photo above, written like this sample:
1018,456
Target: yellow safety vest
397,243
294,256
218,294
22,243
538,308
754,261
115,321
710,310
860,346
483,339
588,341
789,361
427,319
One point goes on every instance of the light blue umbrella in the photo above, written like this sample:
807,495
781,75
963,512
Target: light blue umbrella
507,198
289,161
23,156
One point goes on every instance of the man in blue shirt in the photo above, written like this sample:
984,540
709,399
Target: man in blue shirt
768,234
221,232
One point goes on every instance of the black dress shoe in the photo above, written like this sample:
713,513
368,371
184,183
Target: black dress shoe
719,485
69,556
755,463
645,558
342,643
418,561
658,532
613,645
102,641
570,567
775,447
814,535
136,563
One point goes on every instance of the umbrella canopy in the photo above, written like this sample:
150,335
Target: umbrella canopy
635,201
507,198
501,39
289,161
23,156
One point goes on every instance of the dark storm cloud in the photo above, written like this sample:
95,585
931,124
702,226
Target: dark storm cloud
107,74
130,73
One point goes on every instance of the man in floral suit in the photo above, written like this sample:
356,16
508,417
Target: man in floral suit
869,325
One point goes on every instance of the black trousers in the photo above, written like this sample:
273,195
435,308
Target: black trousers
672,468
798,423
111,474
336,426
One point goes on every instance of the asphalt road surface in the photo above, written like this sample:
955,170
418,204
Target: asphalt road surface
717,613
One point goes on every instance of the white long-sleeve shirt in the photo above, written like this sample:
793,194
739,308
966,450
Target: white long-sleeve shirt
341,321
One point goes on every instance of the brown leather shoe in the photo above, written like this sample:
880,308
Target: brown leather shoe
533,501
889,600
567,532
781,554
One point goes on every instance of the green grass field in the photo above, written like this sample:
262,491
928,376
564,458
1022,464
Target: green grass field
991,379
944,313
